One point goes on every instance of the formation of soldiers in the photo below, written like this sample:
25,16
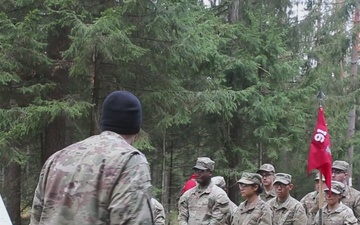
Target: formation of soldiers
267,199
103,179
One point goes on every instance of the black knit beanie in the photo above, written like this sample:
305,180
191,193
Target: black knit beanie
121,113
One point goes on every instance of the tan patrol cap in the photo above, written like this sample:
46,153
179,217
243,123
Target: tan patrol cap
219,181
341,165
204,163
250,178
266,167
336,187
283,178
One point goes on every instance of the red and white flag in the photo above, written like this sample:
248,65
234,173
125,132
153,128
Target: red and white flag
320,154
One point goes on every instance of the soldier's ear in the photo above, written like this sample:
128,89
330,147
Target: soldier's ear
346,174
291,186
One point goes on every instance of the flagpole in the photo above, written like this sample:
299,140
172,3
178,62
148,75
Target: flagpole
321,198
320,97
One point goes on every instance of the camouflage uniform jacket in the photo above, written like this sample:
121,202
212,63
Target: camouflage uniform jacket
289,212
233,208
158,212
310,203
259,214
209,206
100,180
267,196
342,215
352,200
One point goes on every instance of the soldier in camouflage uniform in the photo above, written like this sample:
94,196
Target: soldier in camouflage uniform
286,209
335,212
253,210
267,172
340,172
206,203
311,200
158,212
220,182
100,180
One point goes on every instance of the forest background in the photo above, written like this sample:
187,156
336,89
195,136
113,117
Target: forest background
234,80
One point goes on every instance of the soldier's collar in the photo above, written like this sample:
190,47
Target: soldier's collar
284,204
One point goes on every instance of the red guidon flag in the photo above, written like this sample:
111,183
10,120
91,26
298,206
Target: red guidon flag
320,153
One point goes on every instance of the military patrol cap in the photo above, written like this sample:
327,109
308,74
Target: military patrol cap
317,177
266,167
204,163
219,181
336,187
341,165
283,178
250,178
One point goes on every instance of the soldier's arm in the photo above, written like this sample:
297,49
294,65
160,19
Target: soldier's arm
316,219
38,201
349,218
267,216
300,215
357,208
302,201
183,209
130,199
159,215
220,210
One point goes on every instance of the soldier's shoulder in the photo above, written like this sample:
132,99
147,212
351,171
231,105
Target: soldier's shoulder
345,209
295,203
354,191
263,205
219,195
189,192
347,214
271,202
156,204
217,191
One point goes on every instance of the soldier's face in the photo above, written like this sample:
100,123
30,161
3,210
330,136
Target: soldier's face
267,178
247,190
333,199
282,190
202,176
339,175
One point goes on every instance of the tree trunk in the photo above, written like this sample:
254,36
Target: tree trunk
54,137
354,71
170,179
165,177
95,111
234,11
13,192
55,131
351,133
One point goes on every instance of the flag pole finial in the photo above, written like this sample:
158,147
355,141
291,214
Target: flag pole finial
320,97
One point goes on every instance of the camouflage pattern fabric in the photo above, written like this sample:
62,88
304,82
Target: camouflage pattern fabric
233,208
100,180
352,200
209,206
289,212
267,196
158,212
342,215
310,203
252,215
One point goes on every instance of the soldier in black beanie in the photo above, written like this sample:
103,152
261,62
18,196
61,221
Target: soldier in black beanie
102,179
121,113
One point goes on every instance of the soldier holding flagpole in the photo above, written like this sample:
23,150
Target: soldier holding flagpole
320,154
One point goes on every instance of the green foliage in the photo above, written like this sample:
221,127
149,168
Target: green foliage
241,93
